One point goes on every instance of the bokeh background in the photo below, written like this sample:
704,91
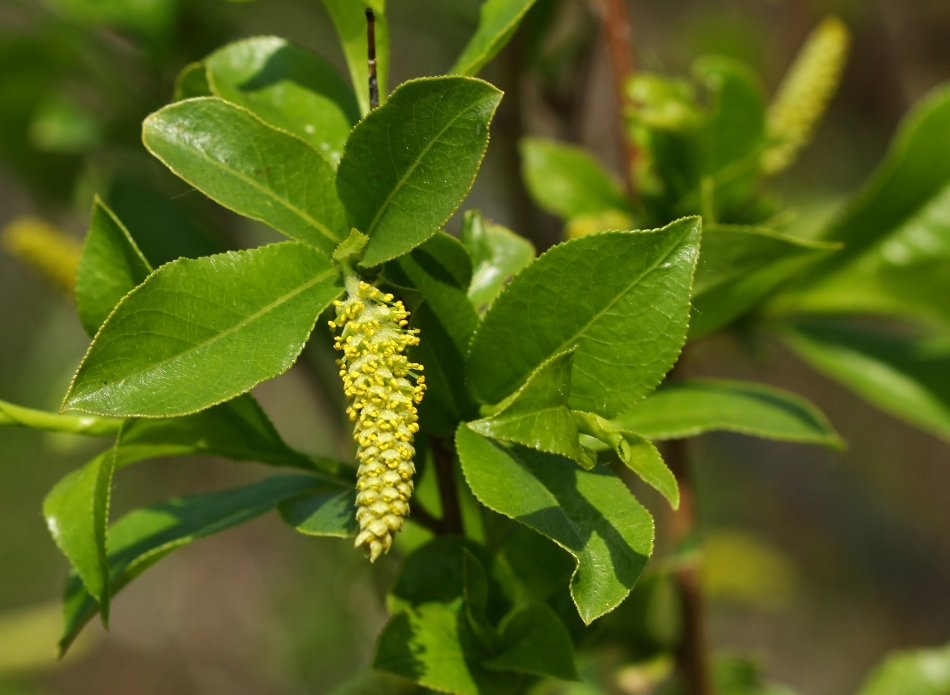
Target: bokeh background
818,562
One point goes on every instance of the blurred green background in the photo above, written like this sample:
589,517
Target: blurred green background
819,562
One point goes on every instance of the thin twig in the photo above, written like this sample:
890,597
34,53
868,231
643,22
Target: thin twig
615,25
371,55
444,456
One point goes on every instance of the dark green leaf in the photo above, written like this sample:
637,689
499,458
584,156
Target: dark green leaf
534,640
325,512
143,537
289,87
591,514
497,254
741,266
77,513
234,319
567,181
537,416
192,82
906,377
690,407
636,452
349,18
236,159
110,267
409,164
922,672
622,298
497,22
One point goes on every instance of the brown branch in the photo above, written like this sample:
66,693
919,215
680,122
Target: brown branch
444,456
692,655
615,25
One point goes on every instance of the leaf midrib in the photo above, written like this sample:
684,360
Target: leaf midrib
402,181
323,229
220,336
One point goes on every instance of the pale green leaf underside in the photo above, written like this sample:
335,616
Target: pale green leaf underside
693,406
409,164
622,298
199,332
288,87
497,255
497,22
110,267
143,537
236,159
591,514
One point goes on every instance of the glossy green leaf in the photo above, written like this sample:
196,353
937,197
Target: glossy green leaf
236,159
110,267
567,181
325,512
534,640
590,514
288,87
921,672
433,573
433,645
17,416
497,254
77,513
622,298
192,82
916,170
409,164
143,537
235,319
537,416
691,407
497,22
906,377
739,267
349,18
637,452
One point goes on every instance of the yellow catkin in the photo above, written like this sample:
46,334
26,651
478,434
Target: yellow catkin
383,391
45,249
804,94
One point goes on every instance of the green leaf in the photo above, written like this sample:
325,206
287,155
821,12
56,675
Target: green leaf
590,514
621,297
690,407
497,22
325,512
739,267
537,416
567,181
192,82
372,683
289,88
497,255
409,164
434,573
143,537
433,645
534,640
915,171
77,513
921,672
906,377
110,267
17,416
258,171
200,332
636,452
349,18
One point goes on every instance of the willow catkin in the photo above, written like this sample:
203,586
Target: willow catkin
804,94
45,249
378,380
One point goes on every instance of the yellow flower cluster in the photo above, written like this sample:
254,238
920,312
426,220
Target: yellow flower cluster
804,93
378,380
